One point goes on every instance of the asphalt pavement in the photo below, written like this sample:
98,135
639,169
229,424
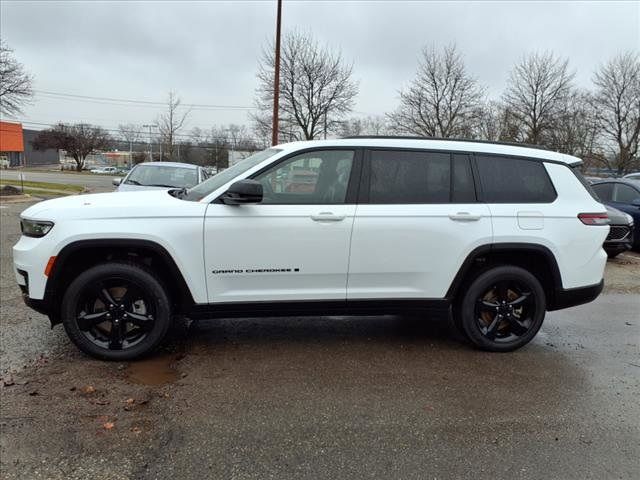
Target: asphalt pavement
94,182
326,397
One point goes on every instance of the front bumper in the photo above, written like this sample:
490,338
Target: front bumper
571,297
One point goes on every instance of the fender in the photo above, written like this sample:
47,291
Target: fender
493,248
65,256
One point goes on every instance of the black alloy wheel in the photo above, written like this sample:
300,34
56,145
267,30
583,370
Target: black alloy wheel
116,311
502,309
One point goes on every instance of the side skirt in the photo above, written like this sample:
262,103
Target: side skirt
307,308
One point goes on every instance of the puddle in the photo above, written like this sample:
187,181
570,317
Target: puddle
157,370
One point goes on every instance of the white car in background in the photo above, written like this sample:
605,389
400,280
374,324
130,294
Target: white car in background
161,175
103,170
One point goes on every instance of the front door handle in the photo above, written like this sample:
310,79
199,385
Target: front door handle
327,217
464,217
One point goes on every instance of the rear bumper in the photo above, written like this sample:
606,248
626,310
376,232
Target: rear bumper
571,297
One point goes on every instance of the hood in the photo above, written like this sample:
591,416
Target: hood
105,205
129,187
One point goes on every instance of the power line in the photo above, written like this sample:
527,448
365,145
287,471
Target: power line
125,101
141,131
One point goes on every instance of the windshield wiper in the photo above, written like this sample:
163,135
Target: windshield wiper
158,185
133,182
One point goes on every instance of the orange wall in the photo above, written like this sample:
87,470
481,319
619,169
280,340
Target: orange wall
11,139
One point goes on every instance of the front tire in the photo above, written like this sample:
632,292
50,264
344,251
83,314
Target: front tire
503,309
116,311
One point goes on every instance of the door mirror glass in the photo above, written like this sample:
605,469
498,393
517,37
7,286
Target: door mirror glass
116,181
242,192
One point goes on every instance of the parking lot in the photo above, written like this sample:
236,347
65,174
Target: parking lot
367,397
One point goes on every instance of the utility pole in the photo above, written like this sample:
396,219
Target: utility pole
150,144
276,79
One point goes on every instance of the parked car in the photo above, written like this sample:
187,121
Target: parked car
620,238
494,234
161,175
623,194
105,170
632,176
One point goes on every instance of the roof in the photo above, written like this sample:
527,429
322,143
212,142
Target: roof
468,146
171,164
11,139
627,181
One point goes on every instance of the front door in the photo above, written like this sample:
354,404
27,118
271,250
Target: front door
294,245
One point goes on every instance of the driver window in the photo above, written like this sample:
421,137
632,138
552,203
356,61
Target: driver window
319,177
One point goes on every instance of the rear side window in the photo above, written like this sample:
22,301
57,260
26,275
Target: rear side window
514,180
604,191
625,194
409,177
462,187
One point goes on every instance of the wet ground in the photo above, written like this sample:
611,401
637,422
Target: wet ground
331,397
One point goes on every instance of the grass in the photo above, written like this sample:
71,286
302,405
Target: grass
43,186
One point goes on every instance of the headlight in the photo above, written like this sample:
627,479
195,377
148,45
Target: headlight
629,218
35,228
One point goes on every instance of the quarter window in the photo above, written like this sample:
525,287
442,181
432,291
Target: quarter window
409,177
319,177
514,180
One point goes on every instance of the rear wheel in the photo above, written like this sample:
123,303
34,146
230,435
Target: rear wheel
116,311
503,309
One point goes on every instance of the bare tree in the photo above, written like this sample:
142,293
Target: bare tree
536,90
15,84
170,123
370,125
574,129
617,103
443,99
77,140
316,89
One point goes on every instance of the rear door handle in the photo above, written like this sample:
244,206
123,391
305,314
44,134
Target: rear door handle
464,217
327,217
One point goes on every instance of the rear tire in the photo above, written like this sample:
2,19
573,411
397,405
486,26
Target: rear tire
116,311
502,310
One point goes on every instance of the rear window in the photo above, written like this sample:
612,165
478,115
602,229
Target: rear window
409,177
514,180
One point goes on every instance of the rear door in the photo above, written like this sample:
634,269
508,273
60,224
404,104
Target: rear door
416,221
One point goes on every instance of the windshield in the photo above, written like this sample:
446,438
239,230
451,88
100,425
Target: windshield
205,188
162,176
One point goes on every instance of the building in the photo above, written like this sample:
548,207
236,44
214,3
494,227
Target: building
11,144
16,148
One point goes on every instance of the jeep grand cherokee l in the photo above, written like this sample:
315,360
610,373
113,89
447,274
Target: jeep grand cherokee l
494,234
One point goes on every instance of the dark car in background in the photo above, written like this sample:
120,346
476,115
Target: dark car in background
620,238
623,194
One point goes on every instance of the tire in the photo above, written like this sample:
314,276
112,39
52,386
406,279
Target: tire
502,310
611,254
132,326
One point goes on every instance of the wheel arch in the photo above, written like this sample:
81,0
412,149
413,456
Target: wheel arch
82,254
536,258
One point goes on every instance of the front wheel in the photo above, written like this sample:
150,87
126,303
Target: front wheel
503,309
116,311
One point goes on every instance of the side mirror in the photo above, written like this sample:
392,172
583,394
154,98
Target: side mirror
636,202
116,181
243,191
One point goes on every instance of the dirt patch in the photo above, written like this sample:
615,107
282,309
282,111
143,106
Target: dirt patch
157,370
622,274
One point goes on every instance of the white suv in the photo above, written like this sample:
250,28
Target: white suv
496,234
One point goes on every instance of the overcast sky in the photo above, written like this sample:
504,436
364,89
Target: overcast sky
207,51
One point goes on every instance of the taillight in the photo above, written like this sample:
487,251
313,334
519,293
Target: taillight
594,218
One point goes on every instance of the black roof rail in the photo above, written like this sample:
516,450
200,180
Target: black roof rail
469,140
